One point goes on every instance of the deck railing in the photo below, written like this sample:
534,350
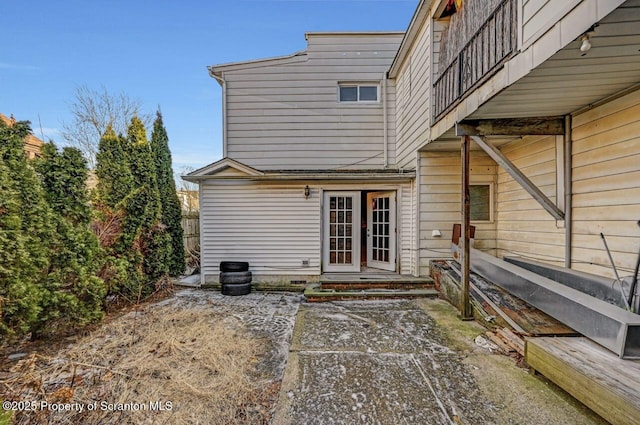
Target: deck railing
488,48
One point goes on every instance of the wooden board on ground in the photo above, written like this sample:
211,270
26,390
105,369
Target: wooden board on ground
532,321
605,383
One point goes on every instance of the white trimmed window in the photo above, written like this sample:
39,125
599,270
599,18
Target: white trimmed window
481,202
358,92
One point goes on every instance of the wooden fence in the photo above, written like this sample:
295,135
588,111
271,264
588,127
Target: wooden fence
191,228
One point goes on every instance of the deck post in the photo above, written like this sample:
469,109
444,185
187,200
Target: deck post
466,312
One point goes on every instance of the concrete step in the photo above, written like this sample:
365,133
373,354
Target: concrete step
359,284
318,294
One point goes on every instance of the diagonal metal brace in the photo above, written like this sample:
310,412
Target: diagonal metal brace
518,176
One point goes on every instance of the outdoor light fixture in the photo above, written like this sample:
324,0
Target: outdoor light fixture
307,192
586,44
586,40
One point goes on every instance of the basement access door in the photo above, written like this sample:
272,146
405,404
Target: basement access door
359,230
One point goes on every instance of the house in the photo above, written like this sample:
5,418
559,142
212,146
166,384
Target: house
32,146
309,182
188,200
347,156
558,85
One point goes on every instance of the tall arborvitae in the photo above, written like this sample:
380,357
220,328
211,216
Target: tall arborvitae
25,230
113,169
73,292
122,270
152,236
171,211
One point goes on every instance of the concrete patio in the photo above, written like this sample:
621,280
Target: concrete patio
414,362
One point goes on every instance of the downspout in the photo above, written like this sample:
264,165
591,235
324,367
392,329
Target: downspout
385,135
568,191
220,79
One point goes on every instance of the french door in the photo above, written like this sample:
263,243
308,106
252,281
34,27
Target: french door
381,230
341,247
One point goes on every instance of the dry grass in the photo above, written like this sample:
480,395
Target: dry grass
188,357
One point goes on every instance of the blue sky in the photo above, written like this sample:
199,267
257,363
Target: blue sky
158,52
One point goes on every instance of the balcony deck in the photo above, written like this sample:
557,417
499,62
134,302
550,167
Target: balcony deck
491,45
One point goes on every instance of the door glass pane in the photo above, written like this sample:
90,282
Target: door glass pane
340,229
381,229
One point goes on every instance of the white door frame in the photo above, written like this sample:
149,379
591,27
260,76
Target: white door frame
382,227
335,252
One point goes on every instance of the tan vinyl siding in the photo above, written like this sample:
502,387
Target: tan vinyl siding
440,193
286,114
272,227
524,227
606,186
413,87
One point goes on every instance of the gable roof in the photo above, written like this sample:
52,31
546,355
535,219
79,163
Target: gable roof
226,167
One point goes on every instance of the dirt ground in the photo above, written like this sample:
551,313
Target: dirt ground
195,358
202,358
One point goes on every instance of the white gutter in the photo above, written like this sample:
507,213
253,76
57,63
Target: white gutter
384,119
220,79
378,177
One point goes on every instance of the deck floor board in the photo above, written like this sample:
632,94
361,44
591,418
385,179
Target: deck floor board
592,374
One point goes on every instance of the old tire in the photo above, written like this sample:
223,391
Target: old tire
235,277
234,266
234,289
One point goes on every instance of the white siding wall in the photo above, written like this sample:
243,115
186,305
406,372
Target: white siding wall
273,227
407,226
524,227
606,186
413,87
440,193
286,115
569,17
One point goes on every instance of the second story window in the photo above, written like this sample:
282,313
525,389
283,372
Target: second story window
358,93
